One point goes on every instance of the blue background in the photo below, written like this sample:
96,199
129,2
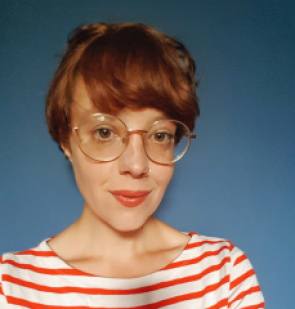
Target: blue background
236,182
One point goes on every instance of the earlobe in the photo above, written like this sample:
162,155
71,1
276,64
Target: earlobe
66,150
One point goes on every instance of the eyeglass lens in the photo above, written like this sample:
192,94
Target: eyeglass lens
104,138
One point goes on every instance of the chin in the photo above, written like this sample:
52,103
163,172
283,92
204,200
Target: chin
130,225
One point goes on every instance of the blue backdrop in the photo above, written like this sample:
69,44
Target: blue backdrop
237,180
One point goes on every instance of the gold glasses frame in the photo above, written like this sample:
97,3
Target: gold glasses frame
130,132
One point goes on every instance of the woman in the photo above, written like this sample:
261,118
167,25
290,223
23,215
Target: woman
122,107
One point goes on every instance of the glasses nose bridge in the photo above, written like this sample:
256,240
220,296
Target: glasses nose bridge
133,132
140,132
139,147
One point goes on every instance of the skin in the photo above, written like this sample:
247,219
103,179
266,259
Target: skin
106,227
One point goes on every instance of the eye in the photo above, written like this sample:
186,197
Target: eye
103,134
162,137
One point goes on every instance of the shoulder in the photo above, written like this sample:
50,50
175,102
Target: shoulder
208,243
221,258
13,264
27,256
16,266
219,248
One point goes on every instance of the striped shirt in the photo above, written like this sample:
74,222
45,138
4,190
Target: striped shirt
210,273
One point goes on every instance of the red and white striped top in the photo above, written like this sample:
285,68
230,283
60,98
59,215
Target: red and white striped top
210,273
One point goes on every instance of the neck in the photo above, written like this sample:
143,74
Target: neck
97,248
95,236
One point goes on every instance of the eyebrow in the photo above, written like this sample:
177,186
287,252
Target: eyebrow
149,123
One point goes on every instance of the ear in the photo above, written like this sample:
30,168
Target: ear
66,150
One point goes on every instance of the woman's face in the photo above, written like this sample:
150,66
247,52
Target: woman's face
119,193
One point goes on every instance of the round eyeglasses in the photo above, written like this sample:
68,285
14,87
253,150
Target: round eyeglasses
103,138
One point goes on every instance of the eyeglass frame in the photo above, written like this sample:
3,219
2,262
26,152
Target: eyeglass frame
191,136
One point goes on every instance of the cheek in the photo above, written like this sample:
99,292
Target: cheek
84,175
89,176
164,175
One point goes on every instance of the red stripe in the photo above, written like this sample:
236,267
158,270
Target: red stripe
242,278
192,233
74,272
220,304
160,304
98,291
240,259
259,306
47,271
195,260
245,293
231,246
1,291
37,253
51,253
28,304
190,296
199,244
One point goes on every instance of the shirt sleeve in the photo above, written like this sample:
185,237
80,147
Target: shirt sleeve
3,303
244,290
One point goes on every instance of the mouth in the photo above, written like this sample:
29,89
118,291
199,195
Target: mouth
130,198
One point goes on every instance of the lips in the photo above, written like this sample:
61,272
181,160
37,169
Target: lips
130,198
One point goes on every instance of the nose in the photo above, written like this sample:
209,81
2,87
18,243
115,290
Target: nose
134,160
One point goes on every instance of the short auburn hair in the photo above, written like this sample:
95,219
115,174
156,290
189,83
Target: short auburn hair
123,65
